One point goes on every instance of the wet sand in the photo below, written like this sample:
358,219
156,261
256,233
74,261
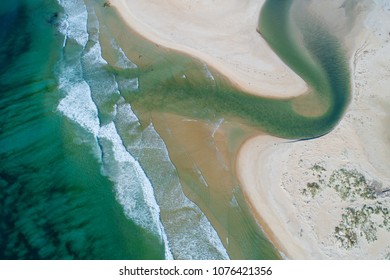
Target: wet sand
204,154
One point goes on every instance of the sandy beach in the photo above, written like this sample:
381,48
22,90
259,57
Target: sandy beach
292,186
296,188
229,43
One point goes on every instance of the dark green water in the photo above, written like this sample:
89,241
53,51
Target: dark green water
55,203
60,177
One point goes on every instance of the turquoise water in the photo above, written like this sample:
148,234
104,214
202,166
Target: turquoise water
55,202
82,178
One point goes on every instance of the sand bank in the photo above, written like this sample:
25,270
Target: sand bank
204,156
317,198
222,33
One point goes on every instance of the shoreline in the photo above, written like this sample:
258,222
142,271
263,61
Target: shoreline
252,164
247,62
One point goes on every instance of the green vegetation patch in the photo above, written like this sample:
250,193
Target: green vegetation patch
357,223
312,188
318,168
350,184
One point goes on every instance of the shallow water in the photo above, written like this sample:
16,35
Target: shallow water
84,173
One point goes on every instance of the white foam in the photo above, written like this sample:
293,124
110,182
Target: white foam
93,55
151,139
213,237
128,114
123,61
75,26
133,189
93,25
197,238
190,233
194,236
127,84
79,107
63,28
77,104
